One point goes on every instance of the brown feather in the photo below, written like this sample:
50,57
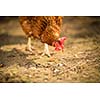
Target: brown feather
45,28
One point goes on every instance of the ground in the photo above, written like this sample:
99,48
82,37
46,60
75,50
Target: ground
79,62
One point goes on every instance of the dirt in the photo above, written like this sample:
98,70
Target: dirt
79,62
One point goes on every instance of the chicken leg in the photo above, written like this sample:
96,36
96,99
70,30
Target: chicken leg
29,46
46,50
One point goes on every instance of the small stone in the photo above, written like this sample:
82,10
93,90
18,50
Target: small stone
76,56
60,64
87,60
30,76
1,65
56,70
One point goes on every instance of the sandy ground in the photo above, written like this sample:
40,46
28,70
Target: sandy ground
80,61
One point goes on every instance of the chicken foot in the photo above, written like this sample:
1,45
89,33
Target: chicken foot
31,49
29,46
46,50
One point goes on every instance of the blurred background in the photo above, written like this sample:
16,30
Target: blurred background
80,61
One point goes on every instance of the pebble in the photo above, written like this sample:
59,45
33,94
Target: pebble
56,71
1,65
30,76
60,64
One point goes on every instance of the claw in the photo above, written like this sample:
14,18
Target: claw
29,46
46,51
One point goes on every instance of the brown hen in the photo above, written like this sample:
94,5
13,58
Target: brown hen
45,28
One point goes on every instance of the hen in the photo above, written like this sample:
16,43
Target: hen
45,28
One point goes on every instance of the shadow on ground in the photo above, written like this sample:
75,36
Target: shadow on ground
7,39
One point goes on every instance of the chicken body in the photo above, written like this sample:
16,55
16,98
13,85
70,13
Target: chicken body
45,28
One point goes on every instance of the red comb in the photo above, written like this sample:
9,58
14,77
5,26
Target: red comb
62,38
59,45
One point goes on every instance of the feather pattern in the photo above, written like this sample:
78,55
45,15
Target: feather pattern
45,28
